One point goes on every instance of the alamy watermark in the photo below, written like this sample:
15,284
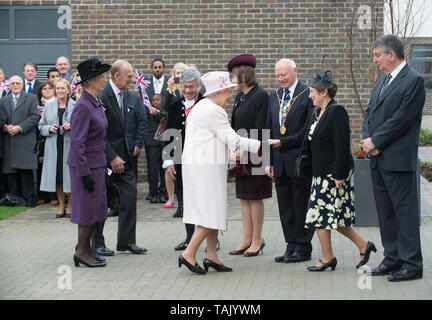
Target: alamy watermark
64,281
65,19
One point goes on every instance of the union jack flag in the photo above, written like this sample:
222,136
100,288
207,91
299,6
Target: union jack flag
4,87
142,84
74,85
40,109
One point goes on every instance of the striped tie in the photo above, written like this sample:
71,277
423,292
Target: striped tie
385,84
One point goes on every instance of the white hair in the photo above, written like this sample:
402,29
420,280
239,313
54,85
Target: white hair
287,61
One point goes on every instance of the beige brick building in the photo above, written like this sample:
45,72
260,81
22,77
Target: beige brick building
208,33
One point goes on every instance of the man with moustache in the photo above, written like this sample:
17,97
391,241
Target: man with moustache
289,108
116,99
178,111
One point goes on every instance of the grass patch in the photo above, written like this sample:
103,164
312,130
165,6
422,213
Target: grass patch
426,170
7,212
425,138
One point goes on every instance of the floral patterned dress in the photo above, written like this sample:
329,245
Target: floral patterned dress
330,207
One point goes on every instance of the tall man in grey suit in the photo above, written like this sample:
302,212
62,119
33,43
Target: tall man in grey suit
115,100
18,121
390,135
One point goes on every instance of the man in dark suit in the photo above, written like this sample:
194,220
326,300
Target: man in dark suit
31,85
190,83
116,102
390,135
154,153
288,111
159,83
18,121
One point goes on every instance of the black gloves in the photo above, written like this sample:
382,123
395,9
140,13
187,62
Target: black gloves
88,183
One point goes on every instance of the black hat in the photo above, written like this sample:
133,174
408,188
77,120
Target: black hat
323,80
91,68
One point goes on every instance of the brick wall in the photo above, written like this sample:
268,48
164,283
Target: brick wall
209,33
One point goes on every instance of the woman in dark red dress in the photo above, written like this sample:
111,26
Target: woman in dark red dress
250,112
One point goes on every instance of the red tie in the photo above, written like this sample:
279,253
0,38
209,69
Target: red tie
15,100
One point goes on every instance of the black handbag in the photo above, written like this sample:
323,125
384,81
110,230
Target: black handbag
303,163
112,192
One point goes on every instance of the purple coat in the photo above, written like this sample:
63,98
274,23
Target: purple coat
87,157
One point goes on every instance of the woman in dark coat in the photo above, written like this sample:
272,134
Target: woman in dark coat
87,159
331,202
249,113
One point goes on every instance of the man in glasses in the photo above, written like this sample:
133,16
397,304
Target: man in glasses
18,121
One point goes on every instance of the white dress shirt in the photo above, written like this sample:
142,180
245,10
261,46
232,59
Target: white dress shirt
27,85
396,71
158,84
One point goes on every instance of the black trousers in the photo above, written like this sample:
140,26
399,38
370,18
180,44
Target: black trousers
22,183
293,197
126,232
154,169
178,183
397,205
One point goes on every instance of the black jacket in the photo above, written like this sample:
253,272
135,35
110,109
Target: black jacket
295,121
330,145
393,121
116,142
136,121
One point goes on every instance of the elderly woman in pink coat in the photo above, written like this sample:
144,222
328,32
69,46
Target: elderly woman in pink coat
209,137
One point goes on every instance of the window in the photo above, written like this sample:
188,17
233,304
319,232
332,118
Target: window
421,60
31,33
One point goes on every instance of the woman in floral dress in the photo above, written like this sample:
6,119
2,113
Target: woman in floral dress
331,202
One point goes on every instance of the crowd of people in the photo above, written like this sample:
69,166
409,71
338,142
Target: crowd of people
98,132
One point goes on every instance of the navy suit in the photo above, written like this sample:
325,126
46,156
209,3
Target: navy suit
292,192
137,123
393,121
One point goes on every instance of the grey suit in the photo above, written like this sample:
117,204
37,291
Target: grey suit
18,159
393,122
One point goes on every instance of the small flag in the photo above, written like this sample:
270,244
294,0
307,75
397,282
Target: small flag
142,84
40,109
4,87
74,85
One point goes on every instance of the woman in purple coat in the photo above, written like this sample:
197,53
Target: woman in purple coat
87,160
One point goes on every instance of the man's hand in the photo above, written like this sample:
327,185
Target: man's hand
171,172
13,130
270,171
7,127
275,143
368,145
117,165
137,151
375,152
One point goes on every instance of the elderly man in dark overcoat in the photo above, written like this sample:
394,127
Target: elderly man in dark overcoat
18,121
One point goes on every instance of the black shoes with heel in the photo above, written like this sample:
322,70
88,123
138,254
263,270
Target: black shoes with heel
369,248
195,269
218,267
324,265
78,261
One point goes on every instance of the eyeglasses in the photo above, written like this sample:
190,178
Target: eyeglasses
47,88
14,83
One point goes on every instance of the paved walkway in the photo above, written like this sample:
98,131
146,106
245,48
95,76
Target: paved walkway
36,261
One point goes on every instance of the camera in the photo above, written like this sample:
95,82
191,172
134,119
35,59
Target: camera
176,80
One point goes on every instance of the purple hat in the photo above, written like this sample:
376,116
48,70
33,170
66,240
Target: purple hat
242,60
